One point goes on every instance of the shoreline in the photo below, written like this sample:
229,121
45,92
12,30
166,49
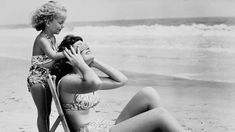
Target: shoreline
26,62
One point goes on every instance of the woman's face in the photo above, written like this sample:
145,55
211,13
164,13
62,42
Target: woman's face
85,51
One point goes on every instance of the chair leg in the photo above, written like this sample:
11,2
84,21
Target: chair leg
64,123
61,117
55,125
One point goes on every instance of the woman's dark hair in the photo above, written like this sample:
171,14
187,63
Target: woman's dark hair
68,41
60,67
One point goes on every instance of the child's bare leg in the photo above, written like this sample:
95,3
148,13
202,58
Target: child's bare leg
43,104
48,106
146,99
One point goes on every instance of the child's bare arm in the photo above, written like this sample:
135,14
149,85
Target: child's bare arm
47,49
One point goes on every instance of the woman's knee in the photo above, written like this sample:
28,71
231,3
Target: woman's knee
151,95
149,91
161,111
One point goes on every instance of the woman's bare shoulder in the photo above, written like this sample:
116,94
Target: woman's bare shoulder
71,83
70,79
74,83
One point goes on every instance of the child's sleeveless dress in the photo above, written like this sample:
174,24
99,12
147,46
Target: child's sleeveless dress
38,74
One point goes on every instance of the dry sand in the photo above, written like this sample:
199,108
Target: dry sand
199,106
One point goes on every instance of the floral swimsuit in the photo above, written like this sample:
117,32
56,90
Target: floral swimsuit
85,102
38,74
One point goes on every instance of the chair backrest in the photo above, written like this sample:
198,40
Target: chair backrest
52,86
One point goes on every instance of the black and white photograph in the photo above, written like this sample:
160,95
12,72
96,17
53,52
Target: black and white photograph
117,66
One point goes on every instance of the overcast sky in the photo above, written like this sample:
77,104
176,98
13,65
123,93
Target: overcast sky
19,11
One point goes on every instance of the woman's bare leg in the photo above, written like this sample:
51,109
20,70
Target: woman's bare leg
146,99
154,120
42,99
144,113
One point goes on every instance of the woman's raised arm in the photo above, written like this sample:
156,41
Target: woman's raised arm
84,80
115,78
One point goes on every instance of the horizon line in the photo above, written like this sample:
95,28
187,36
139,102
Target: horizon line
117,20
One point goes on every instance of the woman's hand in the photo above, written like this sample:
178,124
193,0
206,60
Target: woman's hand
87,82
73,56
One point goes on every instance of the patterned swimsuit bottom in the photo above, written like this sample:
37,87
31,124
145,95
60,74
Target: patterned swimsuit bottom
85,102
37,74
99,125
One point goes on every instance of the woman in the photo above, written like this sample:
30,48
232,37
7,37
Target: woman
77,83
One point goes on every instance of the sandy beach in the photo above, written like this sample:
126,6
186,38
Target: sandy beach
199,106
196,83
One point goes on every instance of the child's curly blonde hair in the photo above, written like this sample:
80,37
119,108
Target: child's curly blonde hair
47,13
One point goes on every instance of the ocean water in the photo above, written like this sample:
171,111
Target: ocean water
192,48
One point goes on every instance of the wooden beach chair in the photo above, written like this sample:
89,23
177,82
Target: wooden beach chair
61,117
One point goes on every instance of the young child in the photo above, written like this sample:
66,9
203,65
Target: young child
49,19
